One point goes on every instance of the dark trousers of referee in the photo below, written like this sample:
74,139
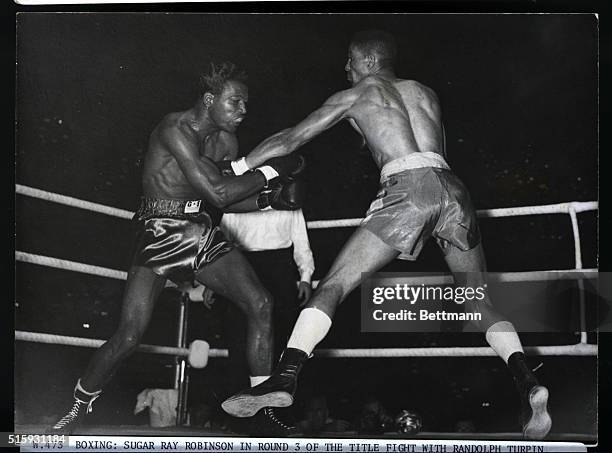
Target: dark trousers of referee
278,273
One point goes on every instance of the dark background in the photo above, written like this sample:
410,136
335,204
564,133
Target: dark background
519,99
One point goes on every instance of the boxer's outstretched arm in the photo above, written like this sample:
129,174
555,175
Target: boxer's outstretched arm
288,140
203,174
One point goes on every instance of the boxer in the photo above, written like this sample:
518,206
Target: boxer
420,197
180,240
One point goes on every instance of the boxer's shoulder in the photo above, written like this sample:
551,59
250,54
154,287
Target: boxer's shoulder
416,89
176,128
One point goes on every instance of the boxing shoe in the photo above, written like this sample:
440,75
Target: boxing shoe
535,419
82,405
266,423
276,391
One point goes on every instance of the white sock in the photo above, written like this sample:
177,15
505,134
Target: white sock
256,380
310,328
504,340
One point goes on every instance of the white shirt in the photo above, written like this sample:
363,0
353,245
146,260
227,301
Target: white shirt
272,230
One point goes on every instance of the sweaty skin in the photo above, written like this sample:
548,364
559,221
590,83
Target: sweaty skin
396,117
179,163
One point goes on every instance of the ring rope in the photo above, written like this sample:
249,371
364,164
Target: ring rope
525,276
579,349
571,208
70,265
47,338
559,208
71,201
74,266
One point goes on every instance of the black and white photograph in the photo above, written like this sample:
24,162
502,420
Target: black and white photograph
221,219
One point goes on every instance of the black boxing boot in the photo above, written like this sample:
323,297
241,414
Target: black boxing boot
83,401
276,391
535,419
266,423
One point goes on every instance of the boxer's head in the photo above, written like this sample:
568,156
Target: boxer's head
224,94
369,52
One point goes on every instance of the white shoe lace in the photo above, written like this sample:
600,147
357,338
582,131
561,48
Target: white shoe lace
70,416
74,412
270,413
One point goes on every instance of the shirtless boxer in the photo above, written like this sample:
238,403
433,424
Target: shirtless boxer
184,191
420,197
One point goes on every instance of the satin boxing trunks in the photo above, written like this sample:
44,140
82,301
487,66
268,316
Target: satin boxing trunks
178,237
420,197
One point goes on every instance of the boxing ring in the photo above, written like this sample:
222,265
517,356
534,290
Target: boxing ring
197,353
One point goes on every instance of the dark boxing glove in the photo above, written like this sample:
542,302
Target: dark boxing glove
283,167
287,196
288,166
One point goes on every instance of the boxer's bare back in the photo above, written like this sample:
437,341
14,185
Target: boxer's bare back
396,117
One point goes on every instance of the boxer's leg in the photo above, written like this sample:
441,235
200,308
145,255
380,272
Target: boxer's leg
142,289
468,268
232,277
363,253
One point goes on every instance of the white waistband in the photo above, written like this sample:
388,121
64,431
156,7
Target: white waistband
414,160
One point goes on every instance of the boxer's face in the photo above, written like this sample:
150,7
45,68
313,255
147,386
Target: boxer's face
228,108
356,66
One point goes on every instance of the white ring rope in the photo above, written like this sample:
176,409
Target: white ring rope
570,208
47,338
70,265
74,266
578,273
526,276
579,349
559,208
71,201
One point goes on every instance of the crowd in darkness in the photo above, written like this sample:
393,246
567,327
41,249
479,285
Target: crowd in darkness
519,102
